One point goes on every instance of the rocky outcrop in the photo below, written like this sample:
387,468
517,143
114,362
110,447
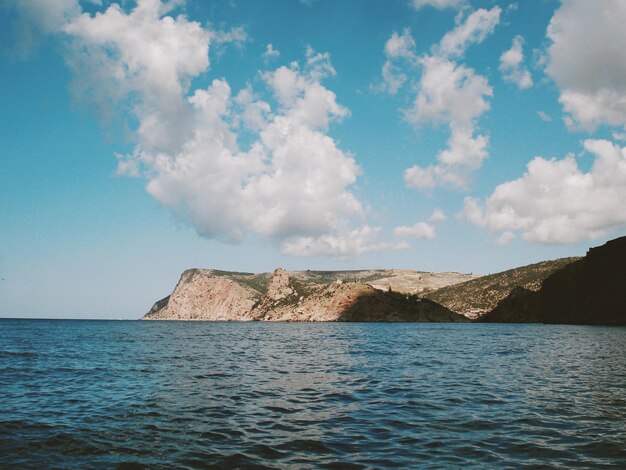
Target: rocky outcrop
589,291
284,296
200,295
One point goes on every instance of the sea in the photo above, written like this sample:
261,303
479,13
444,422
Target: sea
157,394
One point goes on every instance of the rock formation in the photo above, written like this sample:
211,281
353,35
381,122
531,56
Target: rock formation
299,296
202,296
590,291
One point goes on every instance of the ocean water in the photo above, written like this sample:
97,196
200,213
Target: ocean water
130,394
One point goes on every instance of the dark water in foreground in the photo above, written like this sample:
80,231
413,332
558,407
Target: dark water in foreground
84,394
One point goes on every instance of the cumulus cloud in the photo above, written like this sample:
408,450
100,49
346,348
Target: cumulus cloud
587,60
505,238
437,216
451,94
619,136
448,93
347,245
290,184
399,50
473,30
556,202
236,36
34,19
418,231
400,46
438,4
253,111
270,52
393,78
512,65
421,230
544,116
142,58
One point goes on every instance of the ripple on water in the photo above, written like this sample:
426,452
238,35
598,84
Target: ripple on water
226,395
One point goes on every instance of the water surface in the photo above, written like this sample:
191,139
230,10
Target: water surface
103,394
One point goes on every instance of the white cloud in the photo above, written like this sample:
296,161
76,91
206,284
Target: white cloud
144,55
400,46
291,184
450,94
35,19
236,36
418,231
556,202
393,78
544,116
505,238
254,112
348,245
587,59
424,179
512,65
421,230
439,4
619,136
437,216
318,64
473,30
454,95
270,52
399,49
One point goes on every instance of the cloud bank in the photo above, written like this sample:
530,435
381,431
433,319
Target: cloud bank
556,202
290,184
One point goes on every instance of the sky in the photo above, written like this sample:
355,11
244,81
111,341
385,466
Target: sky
139,139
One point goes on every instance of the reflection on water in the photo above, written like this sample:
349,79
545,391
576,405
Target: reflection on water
96,393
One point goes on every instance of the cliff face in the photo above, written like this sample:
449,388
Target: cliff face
283,296
202,296
591,291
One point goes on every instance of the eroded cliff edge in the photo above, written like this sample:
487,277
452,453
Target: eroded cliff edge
376,295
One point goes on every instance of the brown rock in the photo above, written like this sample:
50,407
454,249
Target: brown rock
284,296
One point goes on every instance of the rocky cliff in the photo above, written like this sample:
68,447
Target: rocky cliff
204,294
591,290
199,295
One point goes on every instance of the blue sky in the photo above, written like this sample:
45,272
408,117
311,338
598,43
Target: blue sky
143,138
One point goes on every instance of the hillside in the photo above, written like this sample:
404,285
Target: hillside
589,291
205,294
479,296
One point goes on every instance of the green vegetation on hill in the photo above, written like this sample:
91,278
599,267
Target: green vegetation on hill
478,296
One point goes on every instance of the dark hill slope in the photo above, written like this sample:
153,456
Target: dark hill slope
478,296
589,291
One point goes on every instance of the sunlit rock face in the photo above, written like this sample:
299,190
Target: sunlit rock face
305,296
